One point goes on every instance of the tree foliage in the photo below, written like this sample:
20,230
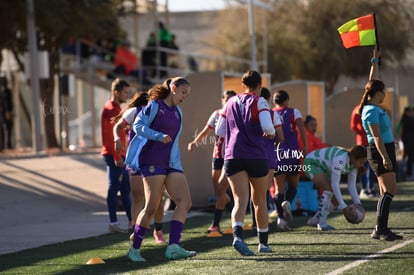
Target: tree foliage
303,42
56,22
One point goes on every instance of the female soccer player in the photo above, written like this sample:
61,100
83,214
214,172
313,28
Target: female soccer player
158,127
289,157
243,122
325,167
125,120
381,148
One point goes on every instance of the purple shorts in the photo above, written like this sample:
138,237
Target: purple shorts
152,170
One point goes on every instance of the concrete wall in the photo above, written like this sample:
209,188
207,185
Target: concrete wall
205,98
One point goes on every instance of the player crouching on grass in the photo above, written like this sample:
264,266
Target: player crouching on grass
325,167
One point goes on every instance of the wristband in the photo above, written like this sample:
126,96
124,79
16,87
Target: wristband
117,139
374,60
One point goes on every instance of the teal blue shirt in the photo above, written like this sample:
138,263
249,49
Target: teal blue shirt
372,114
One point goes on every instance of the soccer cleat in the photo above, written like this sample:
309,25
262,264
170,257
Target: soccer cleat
282,225
135,255
325,227
175,252
158,236
213,228
287,211
385,235
116,228
242,248
313,221
264,249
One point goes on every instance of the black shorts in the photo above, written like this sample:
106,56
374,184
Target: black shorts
217,164
255,168
375,159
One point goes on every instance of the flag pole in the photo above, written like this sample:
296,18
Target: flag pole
376,38
376,32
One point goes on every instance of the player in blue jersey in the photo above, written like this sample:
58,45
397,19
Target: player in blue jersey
381,148
125,120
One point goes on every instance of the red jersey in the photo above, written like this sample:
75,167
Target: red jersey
356,126
314,142
110,110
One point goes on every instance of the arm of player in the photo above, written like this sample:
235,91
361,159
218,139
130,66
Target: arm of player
335,181
352,177
265,118
220,129
277,123
208,128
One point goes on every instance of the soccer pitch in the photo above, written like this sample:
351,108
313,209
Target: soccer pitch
304,250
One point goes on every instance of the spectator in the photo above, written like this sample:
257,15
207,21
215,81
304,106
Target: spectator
149,55
173,57
165,38
126,63
406,127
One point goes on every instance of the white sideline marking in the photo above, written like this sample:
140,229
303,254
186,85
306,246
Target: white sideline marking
369,257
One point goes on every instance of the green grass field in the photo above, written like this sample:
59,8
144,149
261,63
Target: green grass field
304,250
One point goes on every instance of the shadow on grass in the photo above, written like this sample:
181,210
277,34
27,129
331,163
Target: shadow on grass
110,244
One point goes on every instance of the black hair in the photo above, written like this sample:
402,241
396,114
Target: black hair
371,88
309,118
280,96
118,84
358,152
229,93
252,79
265,93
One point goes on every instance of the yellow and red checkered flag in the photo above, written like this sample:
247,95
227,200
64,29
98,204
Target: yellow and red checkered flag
359,32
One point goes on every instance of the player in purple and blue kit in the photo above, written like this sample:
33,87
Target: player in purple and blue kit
288,156
158,127
243,122
125,120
